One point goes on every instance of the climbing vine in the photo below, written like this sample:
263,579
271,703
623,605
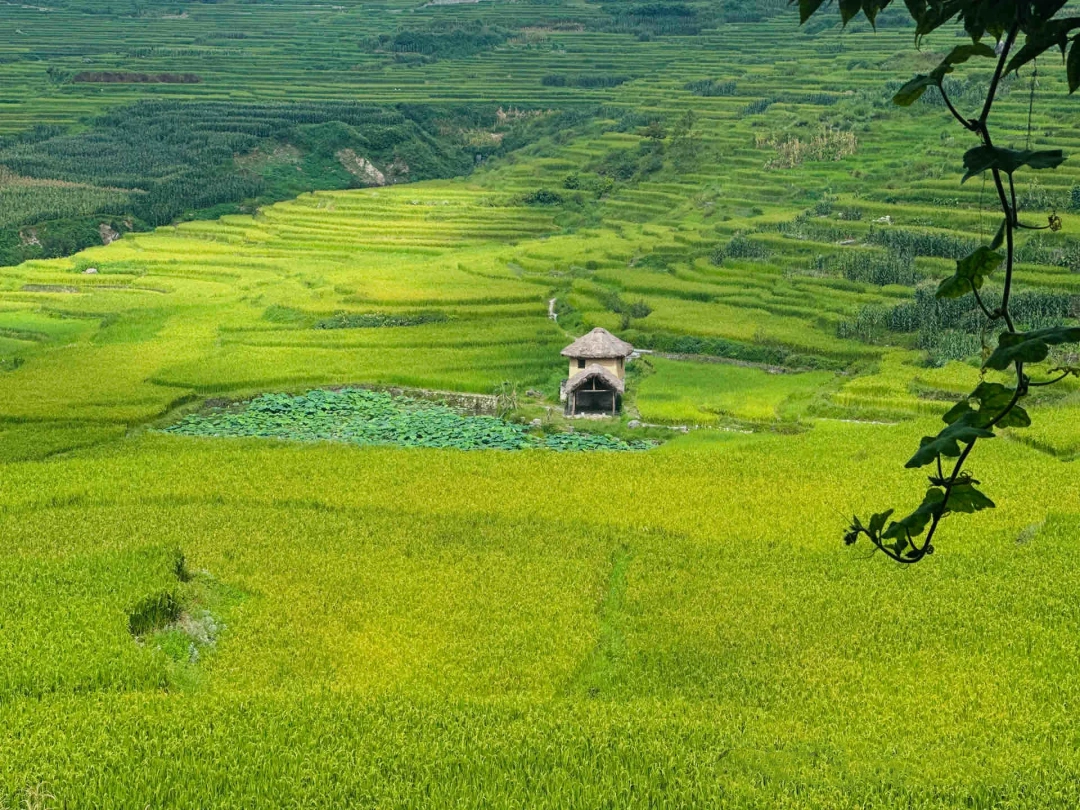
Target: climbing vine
991,406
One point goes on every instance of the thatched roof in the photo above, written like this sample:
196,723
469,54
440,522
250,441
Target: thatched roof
599,344
598,372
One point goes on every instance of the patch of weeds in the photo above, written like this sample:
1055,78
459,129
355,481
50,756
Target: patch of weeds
1029,533
183,622
154,613
712,87
378,320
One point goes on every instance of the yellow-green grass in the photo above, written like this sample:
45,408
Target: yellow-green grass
703,393
698,627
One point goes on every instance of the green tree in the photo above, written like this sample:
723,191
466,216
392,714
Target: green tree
1022,30
655,131
685,140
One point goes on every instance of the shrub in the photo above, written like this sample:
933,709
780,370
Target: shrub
922,243
543,196
1052,251
829,145
873,267
1074,198
869,325
345,320
584,80
712,87
742,247
439,42
756,107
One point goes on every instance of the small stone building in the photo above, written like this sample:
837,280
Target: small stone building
597,373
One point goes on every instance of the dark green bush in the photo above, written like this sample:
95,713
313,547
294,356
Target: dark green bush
756,107
543,196
951,328
742,247
584,80
875,267
922,243
378,320
712,87
457,41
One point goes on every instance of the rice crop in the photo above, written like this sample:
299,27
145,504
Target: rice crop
703,393
313,597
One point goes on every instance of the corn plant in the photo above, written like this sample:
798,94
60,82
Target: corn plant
991,406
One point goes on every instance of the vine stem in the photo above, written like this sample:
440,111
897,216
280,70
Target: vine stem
1049,382
927,546
1008,206
965,123
979,301
983,129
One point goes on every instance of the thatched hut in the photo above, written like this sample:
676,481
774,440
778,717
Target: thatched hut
597,378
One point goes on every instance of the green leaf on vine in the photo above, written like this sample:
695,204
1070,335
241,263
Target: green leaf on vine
916,8
807,8
994,399
971,271
914,524
1072,66
947,443
961,53
1029,347
982,158
848,9
877,522
999,237
1042,38
965,498
913,90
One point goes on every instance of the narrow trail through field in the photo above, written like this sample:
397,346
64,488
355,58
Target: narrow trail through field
601,668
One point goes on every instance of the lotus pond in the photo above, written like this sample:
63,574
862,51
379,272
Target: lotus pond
364,417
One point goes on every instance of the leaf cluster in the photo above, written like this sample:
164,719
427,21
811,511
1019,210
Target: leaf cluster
971,272
990,405
1029,347
980,18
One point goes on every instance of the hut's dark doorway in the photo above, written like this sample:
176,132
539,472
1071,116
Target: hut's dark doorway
598,400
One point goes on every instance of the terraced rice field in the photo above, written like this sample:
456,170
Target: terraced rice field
191,621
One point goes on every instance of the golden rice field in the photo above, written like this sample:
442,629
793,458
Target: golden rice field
257,622
418,628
